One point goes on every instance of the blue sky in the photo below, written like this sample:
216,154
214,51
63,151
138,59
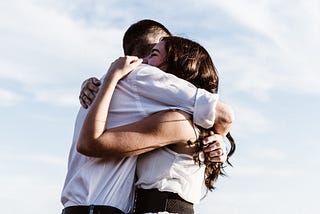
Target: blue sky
267,54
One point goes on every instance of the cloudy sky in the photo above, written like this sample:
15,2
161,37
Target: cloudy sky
267,54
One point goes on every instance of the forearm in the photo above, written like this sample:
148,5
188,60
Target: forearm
126,141
94,125
92,135
158,130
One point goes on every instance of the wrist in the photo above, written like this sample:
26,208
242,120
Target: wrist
113,75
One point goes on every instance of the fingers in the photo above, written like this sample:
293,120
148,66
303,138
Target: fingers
87,100
216,150
95,81
87,93
83,103
124,65
217,156
133,61
127,60
91,88
213,137
218,159
214,145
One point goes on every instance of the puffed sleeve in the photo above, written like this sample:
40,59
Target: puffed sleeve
167,89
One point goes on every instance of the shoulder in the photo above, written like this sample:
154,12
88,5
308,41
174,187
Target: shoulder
144,72
147,69
154,76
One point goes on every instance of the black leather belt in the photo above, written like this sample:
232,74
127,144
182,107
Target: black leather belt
92,209
153,200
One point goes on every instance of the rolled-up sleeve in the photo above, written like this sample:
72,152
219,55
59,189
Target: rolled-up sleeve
158,87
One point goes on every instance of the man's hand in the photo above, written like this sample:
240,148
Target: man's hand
216,151
88,91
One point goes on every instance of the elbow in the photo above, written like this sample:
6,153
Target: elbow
88,147
83,148
224,119
229,115
224,114
94,148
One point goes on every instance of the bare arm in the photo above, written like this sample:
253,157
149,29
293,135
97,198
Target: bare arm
130,139
93,127
223,119
158,130
147,134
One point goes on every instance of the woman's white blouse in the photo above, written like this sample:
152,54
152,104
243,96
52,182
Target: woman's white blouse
166,170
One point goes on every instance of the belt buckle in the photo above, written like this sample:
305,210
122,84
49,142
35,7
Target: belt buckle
91,209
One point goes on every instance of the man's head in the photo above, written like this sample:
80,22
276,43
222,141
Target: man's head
140,37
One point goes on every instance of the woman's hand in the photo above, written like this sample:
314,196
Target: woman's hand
124,65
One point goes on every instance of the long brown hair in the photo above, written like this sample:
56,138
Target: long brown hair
190,61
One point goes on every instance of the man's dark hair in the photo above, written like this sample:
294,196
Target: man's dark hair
135,39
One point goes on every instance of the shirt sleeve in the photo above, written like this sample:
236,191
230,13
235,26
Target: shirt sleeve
174,92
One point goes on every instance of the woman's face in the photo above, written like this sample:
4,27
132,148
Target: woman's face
157,56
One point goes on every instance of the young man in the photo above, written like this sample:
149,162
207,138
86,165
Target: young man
106,186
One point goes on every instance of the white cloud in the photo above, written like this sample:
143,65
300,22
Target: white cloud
43,48
277,46
250,171
30,193
9,98
270,154
56,41
48,159
31,179
249,121
59,97
267,154
31,159
49,46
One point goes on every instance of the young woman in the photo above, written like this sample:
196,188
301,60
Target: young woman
190,61
170,170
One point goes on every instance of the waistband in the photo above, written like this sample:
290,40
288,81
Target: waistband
153,200
92,209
